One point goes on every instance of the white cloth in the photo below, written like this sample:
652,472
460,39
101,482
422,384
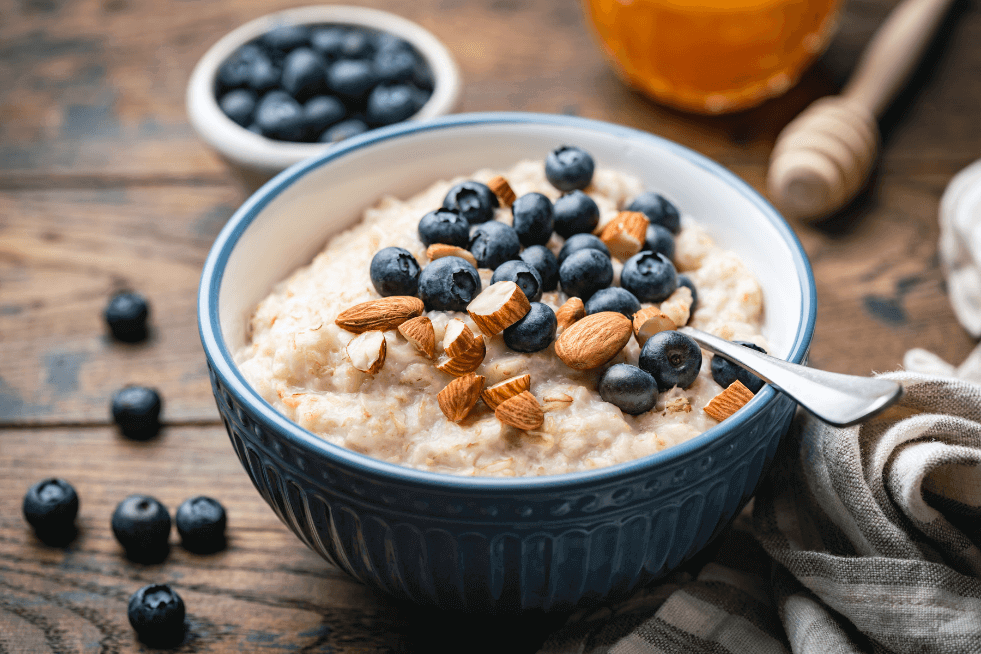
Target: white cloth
960,245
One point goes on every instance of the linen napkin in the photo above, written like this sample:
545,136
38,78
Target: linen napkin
862,539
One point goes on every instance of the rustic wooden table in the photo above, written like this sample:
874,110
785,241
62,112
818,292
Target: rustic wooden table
103,185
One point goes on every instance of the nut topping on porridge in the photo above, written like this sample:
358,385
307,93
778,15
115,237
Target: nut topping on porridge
440,250
499,306
729,401
494,395
466,361
379,315
625,234
460,395
650,321
367,351
419,331
458,340
570,312
522,411
594,340
502,190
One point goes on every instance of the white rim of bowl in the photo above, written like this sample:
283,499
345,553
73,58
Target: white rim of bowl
254,151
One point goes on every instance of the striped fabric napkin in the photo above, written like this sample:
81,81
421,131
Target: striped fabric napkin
864,539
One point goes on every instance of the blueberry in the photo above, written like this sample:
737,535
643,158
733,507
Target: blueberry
395,64
585,272
263,75
568,168
321,112
533,219
658,210
126,314
136,409
344,130
575,213
672,358
385,41
444,226
578,242
201,523
492,243
284,38
157,614
279,116
390,103
234,71
475,201
685,280
394,271
448,284
422,76
50,506
303,74
141,524
357,44
613,298
629,388
328,41
522,274
351,79
239,105
725,372
541,259
534,332
651,277
659,239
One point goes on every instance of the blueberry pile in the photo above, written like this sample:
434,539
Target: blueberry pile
322,83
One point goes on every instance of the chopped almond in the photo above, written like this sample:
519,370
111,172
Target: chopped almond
499,306
625,234
466,361
502,190
650,321
728,401
457,338
367,351
459,396
440,250
419,331
505,390
570,312
522,411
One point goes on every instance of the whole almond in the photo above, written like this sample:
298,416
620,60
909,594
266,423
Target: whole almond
649,321
498,306
594,340
494,395
379,315
570,312
419,331
440,250
502,190
728,401
466,361
459,396
367,351
522,411
625,234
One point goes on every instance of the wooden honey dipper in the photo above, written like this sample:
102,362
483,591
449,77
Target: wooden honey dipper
823,157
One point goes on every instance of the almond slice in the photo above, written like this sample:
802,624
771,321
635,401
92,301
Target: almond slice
502,190
678,306
500,305
419,331
440,250
625,234
457,338
728,401
465,362
594,340
367,351
650,321
459,396
678,405
505,390
522,411
379,315
570,312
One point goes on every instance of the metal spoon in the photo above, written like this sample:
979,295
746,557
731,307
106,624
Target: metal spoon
839,400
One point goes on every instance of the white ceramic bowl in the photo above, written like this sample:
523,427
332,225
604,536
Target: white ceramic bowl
258,158
484,543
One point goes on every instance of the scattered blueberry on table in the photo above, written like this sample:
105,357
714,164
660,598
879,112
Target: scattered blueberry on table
534,332
156,612
725,372
50,506
522,274
672,358
141,524
126,315
136,410
201,524
360,78
629,388
658,209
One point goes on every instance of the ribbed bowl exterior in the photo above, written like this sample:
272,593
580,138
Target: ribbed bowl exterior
506,551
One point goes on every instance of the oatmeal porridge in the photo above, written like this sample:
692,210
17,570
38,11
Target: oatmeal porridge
391,397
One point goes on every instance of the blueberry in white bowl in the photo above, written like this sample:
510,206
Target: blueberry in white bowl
575,213
541,259
394,271
533,219
569,168
390,103
304,74
474,200
239,105
578,242
444,226
658,209
492,243
322,111
629,388
672,358
448,284
523,274
686,281
613,298
650,276
534,332
344,130
659,240
280,116
585,272
725,372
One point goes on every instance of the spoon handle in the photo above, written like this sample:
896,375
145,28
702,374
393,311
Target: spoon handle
837,399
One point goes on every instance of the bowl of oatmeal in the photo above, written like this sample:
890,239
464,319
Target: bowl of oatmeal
484,509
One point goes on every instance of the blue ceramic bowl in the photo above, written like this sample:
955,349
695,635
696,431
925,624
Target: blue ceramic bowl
492,544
